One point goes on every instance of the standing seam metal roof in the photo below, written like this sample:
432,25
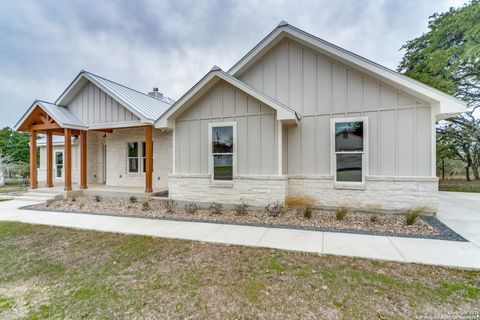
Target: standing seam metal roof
61,114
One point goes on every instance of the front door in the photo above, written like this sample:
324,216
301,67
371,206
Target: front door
58,165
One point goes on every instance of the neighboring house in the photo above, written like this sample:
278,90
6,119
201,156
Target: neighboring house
296,118
116,121
305,119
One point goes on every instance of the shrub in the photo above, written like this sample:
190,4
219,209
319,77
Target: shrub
307,212
341,213
274,208
98,198
373,218
74,199
191,208
216,208
145,206
241,209
412,216
170,206
81,206
133,199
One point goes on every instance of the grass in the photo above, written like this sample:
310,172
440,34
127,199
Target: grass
49,272
1,200
459,185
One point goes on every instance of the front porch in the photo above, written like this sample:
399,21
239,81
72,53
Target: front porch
100,156
57,191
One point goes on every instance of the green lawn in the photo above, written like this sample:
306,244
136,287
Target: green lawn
48,272
12,186
459,185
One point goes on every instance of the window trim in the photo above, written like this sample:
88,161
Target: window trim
139,157
365,152
212,125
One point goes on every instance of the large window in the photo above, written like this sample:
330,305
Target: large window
136,159
349,143
222,150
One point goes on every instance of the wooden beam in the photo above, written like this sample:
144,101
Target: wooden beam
148,159
68,160
83,160
49,160
45,126
33,159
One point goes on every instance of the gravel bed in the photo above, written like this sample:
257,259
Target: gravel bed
321,220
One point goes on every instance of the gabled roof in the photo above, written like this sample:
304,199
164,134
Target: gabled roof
443,104
62,116
207,82
147,108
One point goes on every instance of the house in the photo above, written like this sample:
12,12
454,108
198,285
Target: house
297,118
99,132
307,120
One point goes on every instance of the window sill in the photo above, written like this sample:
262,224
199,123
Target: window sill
349,186
221,184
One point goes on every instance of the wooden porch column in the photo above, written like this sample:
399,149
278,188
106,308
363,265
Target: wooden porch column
83,160
148,159
33,159
49,160
68,159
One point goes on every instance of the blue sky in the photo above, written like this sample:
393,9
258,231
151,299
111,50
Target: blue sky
172,44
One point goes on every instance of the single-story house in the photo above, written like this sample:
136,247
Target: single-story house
296,119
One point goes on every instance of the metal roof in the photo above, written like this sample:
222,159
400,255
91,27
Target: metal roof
144,106
61,115
56,140
64,117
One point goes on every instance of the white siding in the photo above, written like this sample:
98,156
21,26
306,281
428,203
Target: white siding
94,106
319,88
256,131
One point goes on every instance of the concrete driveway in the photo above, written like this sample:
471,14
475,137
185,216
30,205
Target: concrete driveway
461,212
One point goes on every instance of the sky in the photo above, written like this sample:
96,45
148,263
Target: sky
172,44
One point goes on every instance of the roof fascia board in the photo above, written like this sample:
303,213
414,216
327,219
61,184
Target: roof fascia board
206,83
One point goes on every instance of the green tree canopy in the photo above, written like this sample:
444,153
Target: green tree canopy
15,145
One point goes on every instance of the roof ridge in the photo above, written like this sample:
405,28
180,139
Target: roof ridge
122,85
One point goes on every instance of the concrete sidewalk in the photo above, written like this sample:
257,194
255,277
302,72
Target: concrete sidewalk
434,252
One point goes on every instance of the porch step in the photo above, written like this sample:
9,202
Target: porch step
40,196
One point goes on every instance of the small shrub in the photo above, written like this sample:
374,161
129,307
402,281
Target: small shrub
191,208
241,209
216,208
74,199
373,218
412,216
307,212
98,198
145,206
341,213
274,208
81,206
133,199
170,206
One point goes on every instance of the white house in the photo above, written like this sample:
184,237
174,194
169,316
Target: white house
296,118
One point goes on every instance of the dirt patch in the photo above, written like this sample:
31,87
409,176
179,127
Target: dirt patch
375,223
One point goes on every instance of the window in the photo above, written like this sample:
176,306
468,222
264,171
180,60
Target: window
136,157
132,157
222,149
349,143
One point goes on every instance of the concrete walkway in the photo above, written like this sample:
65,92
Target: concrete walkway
435,252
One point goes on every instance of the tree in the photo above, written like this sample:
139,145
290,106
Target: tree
15,144
447,57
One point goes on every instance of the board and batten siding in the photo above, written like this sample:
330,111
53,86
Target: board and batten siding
256,132
94,106
319,88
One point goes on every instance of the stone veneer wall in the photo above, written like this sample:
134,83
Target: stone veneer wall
255,190
117,174
389,194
